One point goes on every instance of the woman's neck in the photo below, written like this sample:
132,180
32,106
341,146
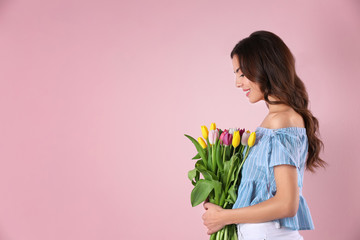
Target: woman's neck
275,108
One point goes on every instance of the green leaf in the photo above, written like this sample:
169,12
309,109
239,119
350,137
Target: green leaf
192,174
235,165
218,191
222,199
229,201
208,175
200,192
228,152
198,147
200,163
237,172
219,160
197,176
197,156
227,165
232,166
209,165
232,194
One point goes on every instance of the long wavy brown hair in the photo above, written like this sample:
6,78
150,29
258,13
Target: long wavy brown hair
265,59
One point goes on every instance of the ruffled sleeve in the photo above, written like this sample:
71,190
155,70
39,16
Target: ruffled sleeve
285,149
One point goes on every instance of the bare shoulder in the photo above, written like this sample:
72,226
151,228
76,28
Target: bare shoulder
284,119
280,120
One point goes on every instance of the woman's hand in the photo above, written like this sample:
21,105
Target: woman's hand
212,217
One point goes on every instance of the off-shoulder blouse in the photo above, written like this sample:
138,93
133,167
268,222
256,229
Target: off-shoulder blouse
275,147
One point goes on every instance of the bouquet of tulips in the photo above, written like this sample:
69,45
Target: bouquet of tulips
219,161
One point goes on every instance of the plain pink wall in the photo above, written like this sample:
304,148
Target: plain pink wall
96,96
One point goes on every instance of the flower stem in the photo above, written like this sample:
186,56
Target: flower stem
218,234
213,158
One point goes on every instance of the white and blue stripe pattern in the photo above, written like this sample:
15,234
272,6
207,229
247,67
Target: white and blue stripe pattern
275,147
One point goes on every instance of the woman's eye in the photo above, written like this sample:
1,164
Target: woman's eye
242,75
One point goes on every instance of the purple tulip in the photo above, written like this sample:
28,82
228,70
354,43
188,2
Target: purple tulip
241,131
227,139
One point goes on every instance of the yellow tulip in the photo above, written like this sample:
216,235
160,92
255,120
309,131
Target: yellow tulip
213,126
202,142
205,132
236,139
251,140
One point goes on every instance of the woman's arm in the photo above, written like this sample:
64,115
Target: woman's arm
284,204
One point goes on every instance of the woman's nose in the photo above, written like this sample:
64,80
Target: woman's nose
238,84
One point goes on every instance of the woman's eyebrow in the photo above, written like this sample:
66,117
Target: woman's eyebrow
237,70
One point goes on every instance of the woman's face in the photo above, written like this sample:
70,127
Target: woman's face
254,94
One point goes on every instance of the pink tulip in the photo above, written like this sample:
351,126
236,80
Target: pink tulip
222,136
213,136
245,137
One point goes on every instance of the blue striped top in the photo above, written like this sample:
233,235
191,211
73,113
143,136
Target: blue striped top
275,147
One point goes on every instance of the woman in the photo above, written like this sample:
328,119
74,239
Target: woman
270,204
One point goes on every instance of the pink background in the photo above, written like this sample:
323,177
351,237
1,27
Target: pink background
96,96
